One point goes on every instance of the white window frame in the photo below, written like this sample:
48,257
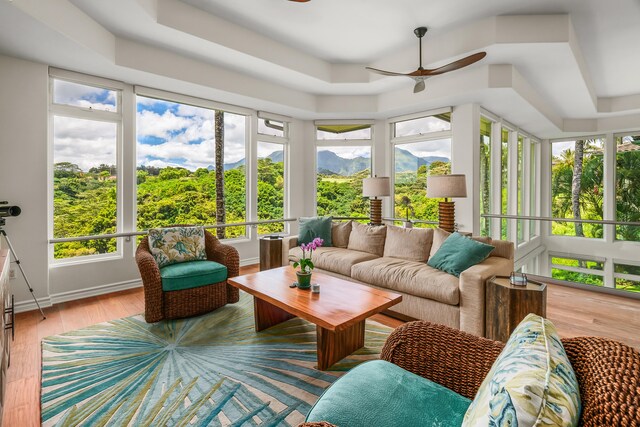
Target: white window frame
71,111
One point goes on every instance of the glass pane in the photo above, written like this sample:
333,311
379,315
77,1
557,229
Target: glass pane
579,273
423,125
270,127
344,132
413,162
340,171
270,186
504,158
577,186
627,188
520,179
79,95
533,188
176,166
84,185
485,175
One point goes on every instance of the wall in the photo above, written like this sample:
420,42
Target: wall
23,168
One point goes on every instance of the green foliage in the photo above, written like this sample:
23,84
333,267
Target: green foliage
412,185
85,203
342,195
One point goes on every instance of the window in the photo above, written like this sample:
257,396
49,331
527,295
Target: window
343,132
578,270
533,189
485,175
271,185
577,186
176,166
520,183
627,277
86,124
422,146
271,127
413,162
504,172
627,188
340,171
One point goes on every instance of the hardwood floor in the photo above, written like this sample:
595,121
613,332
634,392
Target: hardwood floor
574,312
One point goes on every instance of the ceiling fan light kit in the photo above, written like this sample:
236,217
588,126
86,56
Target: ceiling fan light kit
421,74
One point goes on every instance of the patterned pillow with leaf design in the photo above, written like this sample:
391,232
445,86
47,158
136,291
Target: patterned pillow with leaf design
177,244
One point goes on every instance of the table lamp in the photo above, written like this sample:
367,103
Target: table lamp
446,186
373,188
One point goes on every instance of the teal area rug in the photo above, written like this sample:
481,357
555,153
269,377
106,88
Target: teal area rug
212,370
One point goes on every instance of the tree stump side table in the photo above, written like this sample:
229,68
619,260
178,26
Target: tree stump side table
506,305
270,252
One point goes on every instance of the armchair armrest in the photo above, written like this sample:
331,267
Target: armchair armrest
288,243
472,291
455,359
224,254
152,283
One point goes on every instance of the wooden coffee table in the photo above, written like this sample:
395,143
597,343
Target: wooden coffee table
339,311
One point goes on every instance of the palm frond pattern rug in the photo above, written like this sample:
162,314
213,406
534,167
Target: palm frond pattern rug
212,370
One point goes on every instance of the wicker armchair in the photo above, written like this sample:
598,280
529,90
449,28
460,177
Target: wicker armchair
608,372
159,304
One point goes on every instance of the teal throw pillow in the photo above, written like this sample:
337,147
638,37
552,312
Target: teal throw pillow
458,253
316,226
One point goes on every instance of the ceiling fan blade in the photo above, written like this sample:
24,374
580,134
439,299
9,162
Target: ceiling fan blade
455,65
386,73
419,87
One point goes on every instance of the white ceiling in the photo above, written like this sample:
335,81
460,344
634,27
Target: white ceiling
563,65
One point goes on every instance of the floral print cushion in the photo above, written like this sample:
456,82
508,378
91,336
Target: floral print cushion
177,244
531,383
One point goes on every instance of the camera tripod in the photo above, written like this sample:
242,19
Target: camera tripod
17,261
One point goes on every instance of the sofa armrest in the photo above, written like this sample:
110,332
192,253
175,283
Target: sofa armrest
288,243
455,359
472,291
226,255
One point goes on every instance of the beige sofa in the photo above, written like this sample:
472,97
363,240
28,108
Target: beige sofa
394,258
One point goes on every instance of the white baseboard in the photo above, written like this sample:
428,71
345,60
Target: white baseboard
29,305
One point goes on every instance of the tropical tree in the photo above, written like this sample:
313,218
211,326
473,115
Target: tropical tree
219,151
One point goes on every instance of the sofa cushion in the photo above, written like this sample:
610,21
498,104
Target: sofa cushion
439,236
409,277
340,232
367,238
187,275
172,245
337,260
458,253
362,398
312,227
412,244
530,383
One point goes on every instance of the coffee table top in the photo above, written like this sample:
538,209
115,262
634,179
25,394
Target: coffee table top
339,305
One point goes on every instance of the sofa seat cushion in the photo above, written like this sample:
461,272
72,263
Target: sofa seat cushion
379,393
187,275
337,260
409,277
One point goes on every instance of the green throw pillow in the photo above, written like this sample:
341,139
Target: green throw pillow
315,226
458,253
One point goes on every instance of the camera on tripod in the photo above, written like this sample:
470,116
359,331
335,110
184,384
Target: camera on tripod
8,211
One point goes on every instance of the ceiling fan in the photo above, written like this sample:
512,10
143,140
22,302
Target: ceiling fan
421,74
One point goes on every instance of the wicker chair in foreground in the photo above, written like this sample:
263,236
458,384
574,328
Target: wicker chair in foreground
159,304
608,372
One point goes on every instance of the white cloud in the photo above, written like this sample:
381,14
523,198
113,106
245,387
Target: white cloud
83,96
160,126
349,152
438,147
266,148
86,143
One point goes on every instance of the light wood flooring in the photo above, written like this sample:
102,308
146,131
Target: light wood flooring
574,312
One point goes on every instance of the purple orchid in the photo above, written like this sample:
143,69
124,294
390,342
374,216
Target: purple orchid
305,263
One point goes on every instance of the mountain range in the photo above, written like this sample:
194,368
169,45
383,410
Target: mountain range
329,163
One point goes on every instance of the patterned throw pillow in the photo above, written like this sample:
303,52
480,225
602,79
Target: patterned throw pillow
530,384
177,244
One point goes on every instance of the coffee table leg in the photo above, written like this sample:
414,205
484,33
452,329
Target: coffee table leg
336,345
266,315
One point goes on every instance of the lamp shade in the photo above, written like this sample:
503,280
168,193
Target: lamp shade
446,186
376,187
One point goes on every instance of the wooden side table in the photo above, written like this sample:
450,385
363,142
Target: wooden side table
270,252
506,305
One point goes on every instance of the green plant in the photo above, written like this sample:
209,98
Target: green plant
305,263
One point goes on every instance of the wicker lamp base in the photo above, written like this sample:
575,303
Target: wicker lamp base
446,216
375,215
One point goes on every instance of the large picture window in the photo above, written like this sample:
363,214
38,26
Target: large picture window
485,175
577,186
271,185
86,127
176,166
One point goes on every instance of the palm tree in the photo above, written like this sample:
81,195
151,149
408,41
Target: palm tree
576,183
